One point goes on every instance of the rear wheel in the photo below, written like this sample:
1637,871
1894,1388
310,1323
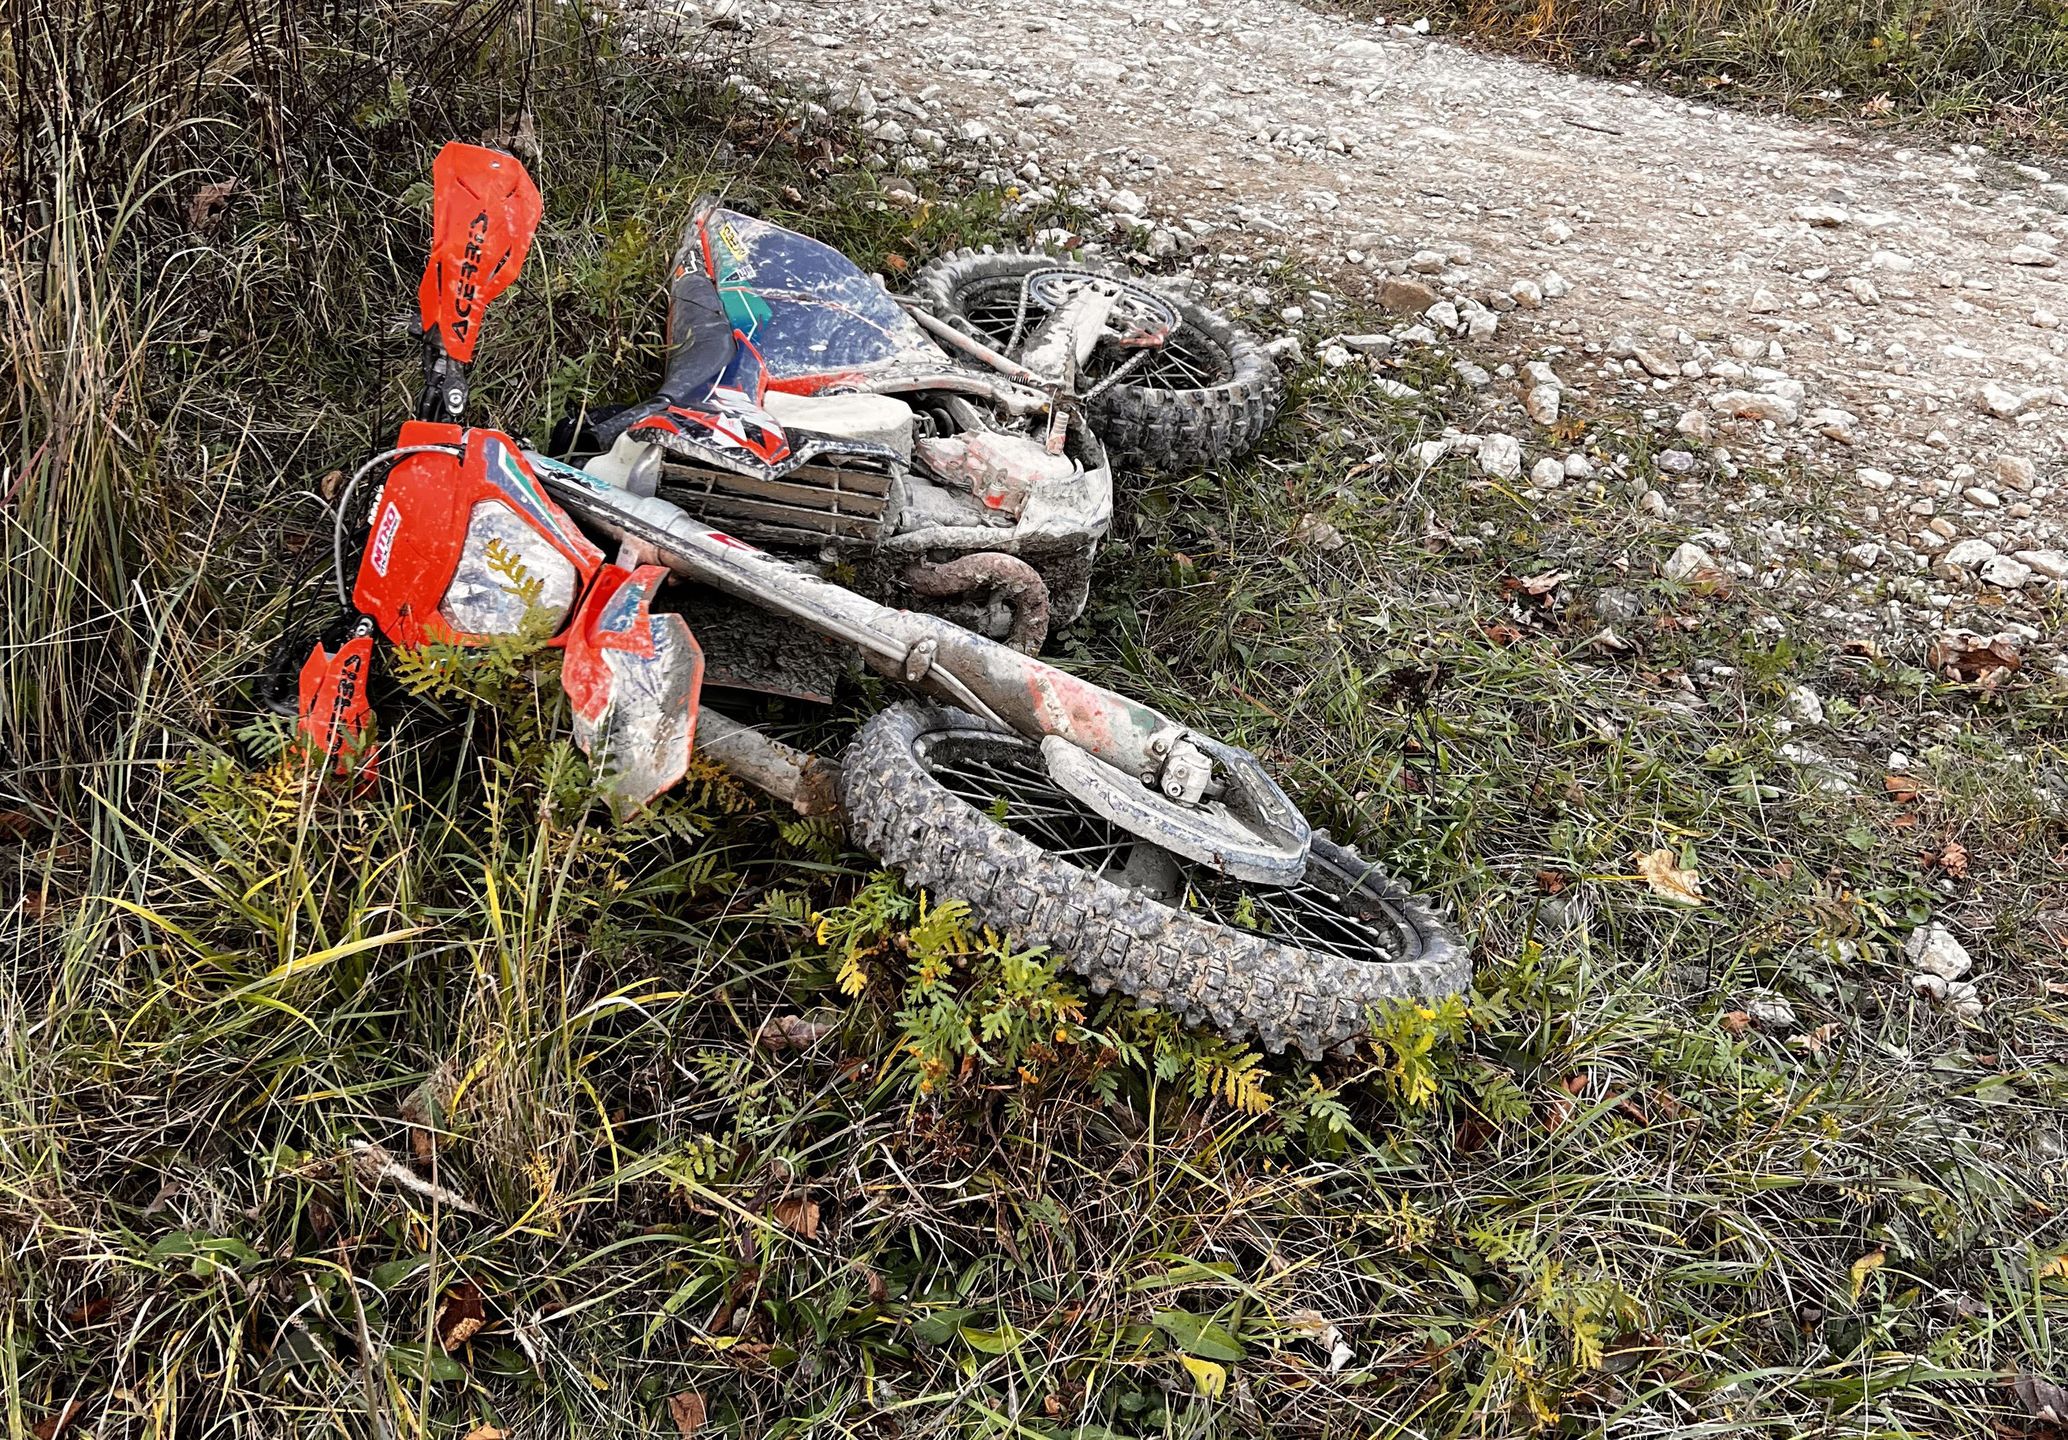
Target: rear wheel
968,811
1204,397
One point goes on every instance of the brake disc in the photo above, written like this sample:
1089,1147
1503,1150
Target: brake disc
1136,307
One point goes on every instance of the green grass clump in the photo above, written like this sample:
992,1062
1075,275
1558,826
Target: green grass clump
444,1107
1990,66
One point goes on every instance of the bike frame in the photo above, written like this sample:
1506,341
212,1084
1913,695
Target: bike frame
1136,766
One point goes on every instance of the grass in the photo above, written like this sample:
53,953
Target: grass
1990,69
448,1106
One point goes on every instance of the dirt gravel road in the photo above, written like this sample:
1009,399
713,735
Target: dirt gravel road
1889,306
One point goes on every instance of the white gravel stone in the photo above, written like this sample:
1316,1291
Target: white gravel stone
1754,405
2006,573
1500,456
1827,217
1932,950
1689,561
2005,403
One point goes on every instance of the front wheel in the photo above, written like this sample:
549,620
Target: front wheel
968,811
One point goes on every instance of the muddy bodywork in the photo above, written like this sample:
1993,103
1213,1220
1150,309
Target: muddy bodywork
768,331
807,403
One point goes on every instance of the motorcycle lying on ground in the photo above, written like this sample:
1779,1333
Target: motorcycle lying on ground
941,452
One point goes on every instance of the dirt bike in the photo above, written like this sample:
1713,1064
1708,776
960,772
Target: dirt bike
944,450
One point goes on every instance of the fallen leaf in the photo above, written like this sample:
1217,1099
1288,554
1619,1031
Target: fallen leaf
798,1215
1662,871
461,1317
91,1311
1209,1379
1981,659
687,1411
1630,1110
1814,1041
1550,882
1901,788
1502,634
2042,1399
1881,104
487,1432
1866,1265
328,486
53,1426
1539,588
207,205
1737,1022
1952,858
2054,1267
790,1032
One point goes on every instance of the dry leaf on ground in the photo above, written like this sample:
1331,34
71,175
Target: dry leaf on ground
461,1317
799,1216
1952,858
487,1432
1662,871
2042,1398
206,206
1964,655
687,1411
790,1032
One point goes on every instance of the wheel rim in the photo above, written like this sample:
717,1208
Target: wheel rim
1189,361
1002,778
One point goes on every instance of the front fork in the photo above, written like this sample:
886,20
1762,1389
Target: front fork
1140,769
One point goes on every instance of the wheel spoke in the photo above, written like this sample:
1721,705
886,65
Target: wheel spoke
992,771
